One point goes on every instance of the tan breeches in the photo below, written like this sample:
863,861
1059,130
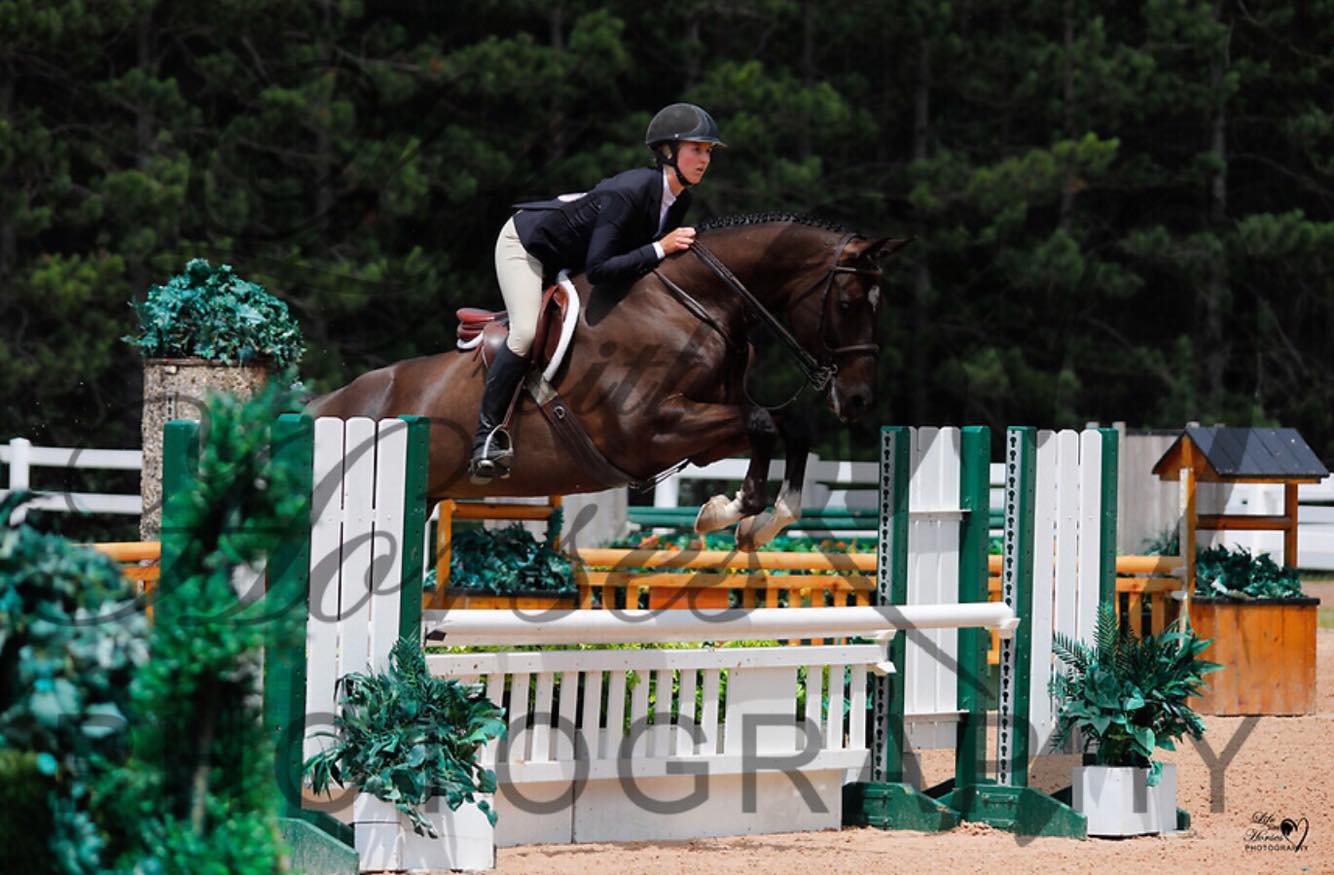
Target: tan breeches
520,277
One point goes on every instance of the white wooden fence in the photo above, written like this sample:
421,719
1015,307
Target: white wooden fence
20,457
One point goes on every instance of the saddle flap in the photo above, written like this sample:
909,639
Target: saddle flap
555,301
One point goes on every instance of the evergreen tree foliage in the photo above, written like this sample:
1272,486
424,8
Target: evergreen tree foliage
1123,210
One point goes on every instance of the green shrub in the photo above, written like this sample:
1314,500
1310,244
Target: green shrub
1165,543
26,827
1127,695
212,313
198,794
71,637
405,736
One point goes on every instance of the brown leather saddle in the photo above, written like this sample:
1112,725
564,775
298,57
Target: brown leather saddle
494,326
483,331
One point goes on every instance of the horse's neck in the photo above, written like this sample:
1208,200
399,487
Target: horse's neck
769,271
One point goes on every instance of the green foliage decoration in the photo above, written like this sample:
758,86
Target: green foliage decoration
198,794
405,736
1165,543
1127,696
71,637
212,313
1238,574
508,561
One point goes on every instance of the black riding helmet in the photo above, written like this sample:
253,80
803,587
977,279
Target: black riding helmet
676,123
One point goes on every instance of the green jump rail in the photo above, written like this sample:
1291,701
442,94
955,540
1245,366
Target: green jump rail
831,519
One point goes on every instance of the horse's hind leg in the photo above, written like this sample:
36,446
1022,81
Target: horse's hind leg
754,532
719,512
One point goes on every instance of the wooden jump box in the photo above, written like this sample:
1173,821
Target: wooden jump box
1267,648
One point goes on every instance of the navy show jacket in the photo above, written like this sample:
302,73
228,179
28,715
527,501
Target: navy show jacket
607,233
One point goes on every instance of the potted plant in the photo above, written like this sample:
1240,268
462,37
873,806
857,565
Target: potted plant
506,569
1125,697
411,743
1263,629
206,329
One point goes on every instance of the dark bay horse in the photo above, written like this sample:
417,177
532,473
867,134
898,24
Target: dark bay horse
655,373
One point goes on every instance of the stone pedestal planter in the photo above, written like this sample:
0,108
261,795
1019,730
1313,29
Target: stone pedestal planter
176,389
385,839
1119,802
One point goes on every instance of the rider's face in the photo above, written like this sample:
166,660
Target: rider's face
692,159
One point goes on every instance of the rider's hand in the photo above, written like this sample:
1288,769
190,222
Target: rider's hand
677,240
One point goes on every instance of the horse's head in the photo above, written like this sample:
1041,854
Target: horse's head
838,318
825,280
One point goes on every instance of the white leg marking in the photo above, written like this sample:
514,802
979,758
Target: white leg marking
717,513
761,529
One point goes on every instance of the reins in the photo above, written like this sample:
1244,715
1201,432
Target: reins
818,374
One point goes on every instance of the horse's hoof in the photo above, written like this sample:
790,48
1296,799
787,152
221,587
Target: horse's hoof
714,514
748,533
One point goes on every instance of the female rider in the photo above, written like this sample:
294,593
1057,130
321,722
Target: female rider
615,233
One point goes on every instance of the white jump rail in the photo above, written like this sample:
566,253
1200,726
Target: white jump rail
474,628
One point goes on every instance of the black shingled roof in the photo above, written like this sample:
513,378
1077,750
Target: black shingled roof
1252,452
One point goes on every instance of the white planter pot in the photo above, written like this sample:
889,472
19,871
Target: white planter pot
385,839
1119,802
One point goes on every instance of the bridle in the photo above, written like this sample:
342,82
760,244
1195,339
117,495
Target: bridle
820,372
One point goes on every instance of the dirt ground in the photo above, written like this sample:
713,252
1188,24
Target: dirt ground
1280,766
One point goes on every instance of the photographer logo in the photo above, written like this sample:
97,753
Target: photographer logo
1268,832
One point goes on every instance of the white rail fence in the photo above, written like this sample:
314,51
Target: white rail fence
20,457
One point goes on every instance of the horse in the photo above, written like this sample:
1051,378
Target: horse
656,371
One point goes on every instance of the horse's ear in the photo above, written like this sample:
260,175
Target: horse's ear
883,248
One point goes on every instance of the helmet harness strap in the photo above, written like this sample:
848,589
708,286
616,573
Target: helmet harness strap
670,161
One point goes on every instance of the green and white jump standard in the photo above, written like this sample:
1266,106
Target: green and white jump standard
1060,501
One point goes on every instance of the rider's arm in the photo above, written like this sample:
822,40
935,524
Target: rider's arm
607,261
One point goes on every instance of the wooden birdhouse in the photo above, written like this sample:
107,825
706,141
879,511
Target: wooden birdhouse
1240,455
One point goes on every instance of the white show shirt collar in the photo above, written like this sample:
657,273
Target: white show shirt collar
668,198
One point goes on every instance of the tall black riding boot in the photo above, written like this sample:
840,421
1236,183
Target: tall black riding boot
492,450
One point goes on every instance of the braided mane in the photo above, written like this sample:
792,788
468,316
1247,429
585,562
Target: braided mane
767,218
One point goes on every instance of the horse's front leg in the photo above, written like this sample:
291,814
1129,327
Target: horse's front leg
719,512
754,532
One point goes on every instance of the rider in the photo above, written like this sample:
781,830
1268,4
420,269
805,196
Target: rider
615,233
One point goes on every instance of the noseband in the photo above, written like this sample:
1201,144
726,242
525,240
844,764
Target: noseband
819,372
